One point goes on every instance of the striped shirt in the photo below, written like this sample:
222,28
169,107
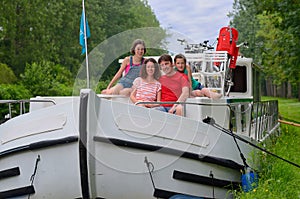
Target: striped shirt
146,91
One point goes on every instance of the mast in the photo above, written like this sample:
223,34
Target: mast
85,43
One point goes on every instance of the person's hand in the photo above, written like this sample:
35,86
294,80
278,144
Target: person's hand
173,109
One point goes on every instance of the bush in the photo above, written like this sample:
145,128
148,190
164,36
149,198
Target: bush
12,92
7,76
47,79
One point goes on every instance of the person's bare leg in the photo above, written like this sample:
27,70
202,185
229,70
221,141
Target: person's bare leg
197,93
105,91
125,91
115,90
206,92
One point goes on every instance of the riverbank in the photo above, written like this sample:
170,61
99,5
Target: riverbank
279,179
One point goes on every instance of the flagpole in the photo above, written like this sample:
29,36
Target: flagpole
86,51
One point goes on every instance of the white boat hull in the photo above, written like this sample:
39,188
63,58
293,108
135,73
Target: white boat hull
100,148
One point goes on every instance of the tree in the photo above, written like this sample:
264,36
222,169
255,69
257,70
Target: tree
7,76
46,79
35,31
272,29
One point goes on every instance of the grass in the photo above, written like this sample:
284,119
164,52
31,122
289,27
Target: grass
279,179
289,109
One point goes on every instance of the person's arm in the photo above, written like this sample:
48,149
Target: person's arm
136,83
119,73
188,68
184,94
158,96
182,98
132,96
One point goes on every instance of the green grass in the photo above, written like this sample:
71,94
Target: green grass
279,179
289,109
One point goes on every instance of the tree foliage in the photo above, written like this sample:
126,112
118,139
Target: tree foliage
39,40
272,27
46,78
35,31
7,76
12,91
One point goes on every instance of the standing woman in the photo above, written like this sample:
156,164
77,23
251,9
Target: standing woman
130,66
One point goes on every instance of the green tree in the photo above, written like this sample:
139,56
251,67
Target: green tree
47,78
272,28
7,76
33,31
9,92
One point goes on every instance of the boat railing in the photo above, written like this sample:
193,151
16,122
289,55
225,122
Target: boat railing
265,119
256,120
209,68
21,108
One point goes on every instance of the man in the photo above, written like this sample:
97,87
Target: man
174,86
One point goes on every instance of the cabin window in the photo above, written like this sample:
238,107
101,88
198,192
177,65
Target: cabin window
239,78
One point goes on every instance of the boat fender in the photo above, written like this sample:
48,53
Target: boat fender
249,180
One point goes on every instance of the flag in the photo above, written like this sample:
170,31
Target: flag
81,33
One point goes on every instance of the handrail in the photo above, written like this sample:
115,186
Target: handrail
26,101
257,119
22,103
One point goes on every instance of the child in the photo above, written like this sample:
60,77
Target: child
197,89
174,87
131,67
146,87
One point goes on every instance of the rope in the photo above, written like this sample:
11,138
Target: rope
289,123
237,145
34,171
212,181
211,121
149,164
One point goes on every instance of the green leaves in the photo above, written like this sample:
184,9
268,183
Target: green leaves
272,29
7,76
46,79
39,39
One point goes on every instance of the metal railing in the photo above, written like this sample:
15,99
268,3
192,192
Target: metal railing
254,119
22,106
266,118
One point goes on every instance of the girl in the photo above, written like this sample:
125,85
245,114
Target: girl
146,88
197,89
131,67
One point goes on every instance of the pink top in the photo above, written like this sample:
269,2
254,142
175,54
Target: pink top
146,91
128,67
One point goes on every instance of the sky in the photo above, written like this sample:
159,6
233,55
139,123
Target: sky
198,20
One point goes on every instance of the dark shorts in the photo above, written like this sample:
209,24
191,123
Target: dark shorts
199,87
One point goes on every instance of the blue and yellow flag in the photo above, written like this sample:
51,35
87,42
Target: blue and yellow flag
81,33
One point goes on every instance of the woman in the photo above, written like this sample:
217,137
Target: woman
130,67
147,88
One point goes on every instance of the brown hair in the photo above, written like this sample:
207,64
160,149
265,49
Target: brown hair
165,57
180,56
156,74
135,43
